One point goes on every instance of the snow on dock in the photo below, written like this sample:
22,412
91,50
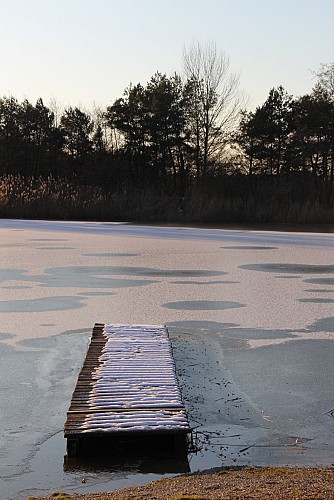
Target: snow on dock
127,384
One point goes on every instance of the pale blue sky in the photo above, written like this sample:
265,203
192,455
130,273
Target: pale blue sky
84,51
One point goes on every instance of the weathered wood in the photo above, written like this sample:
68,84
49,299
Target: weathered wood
127,384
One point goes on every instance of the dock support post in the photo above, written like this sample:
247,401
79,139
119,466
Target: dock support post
180,443
73,445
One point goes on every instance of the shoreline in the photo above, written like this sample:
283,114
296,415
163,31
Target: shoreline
227,483
327,228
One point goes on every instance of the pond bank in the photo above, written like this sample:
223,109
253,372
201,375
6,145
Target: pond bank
248,482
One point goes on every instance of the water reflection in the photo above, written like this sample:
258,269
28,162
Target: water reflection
204,282
258,333
320,281
13,275
248,247
317,300
139,271
6,336
72,277
140,454
54,248
110,254
199,326
87,277
103,276
99,276
288,277
202,305
41,305
47,239
290,268
16,287
326,324
49,342
230,334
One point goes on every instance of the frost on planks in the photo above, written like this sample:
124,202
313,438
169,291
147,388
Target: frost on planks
128,383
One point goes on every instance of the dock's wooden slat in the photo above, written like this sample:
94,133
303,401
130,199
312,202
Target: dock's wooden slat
127,384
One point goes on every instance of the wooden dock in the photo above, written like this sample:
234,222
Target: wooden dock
127,386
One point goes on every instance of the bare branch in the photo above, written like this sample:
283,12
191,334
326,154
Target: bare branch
216,100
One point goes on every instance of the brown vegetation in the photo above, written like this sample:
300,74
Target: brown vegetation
264,203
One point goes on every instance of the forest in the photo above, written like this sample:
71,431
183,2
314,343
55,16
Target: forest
182,148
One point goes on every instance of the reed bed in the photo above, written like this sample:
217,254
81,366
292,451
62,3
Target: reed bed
59,199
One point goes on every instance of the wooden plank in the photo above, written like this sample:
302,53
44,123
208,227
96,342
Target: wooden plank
127,384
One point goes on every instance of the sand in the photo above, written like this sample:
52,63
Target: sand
246,483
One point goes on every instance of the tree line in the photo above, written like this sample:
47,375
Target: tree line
176,133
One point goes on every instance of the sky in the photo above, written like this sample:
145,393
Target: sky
86,52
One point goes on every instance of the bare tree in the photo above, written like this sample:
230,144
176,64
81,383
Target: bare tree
325,81
214,102
324,94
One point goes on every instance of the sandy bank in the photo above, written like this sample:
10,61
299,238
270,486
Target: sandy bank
249,482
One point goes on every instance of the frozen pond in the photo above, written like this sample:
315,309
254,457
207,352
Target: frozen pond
250,315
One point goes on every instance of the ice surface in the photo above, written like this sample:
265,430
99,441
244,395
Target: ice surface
274,354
